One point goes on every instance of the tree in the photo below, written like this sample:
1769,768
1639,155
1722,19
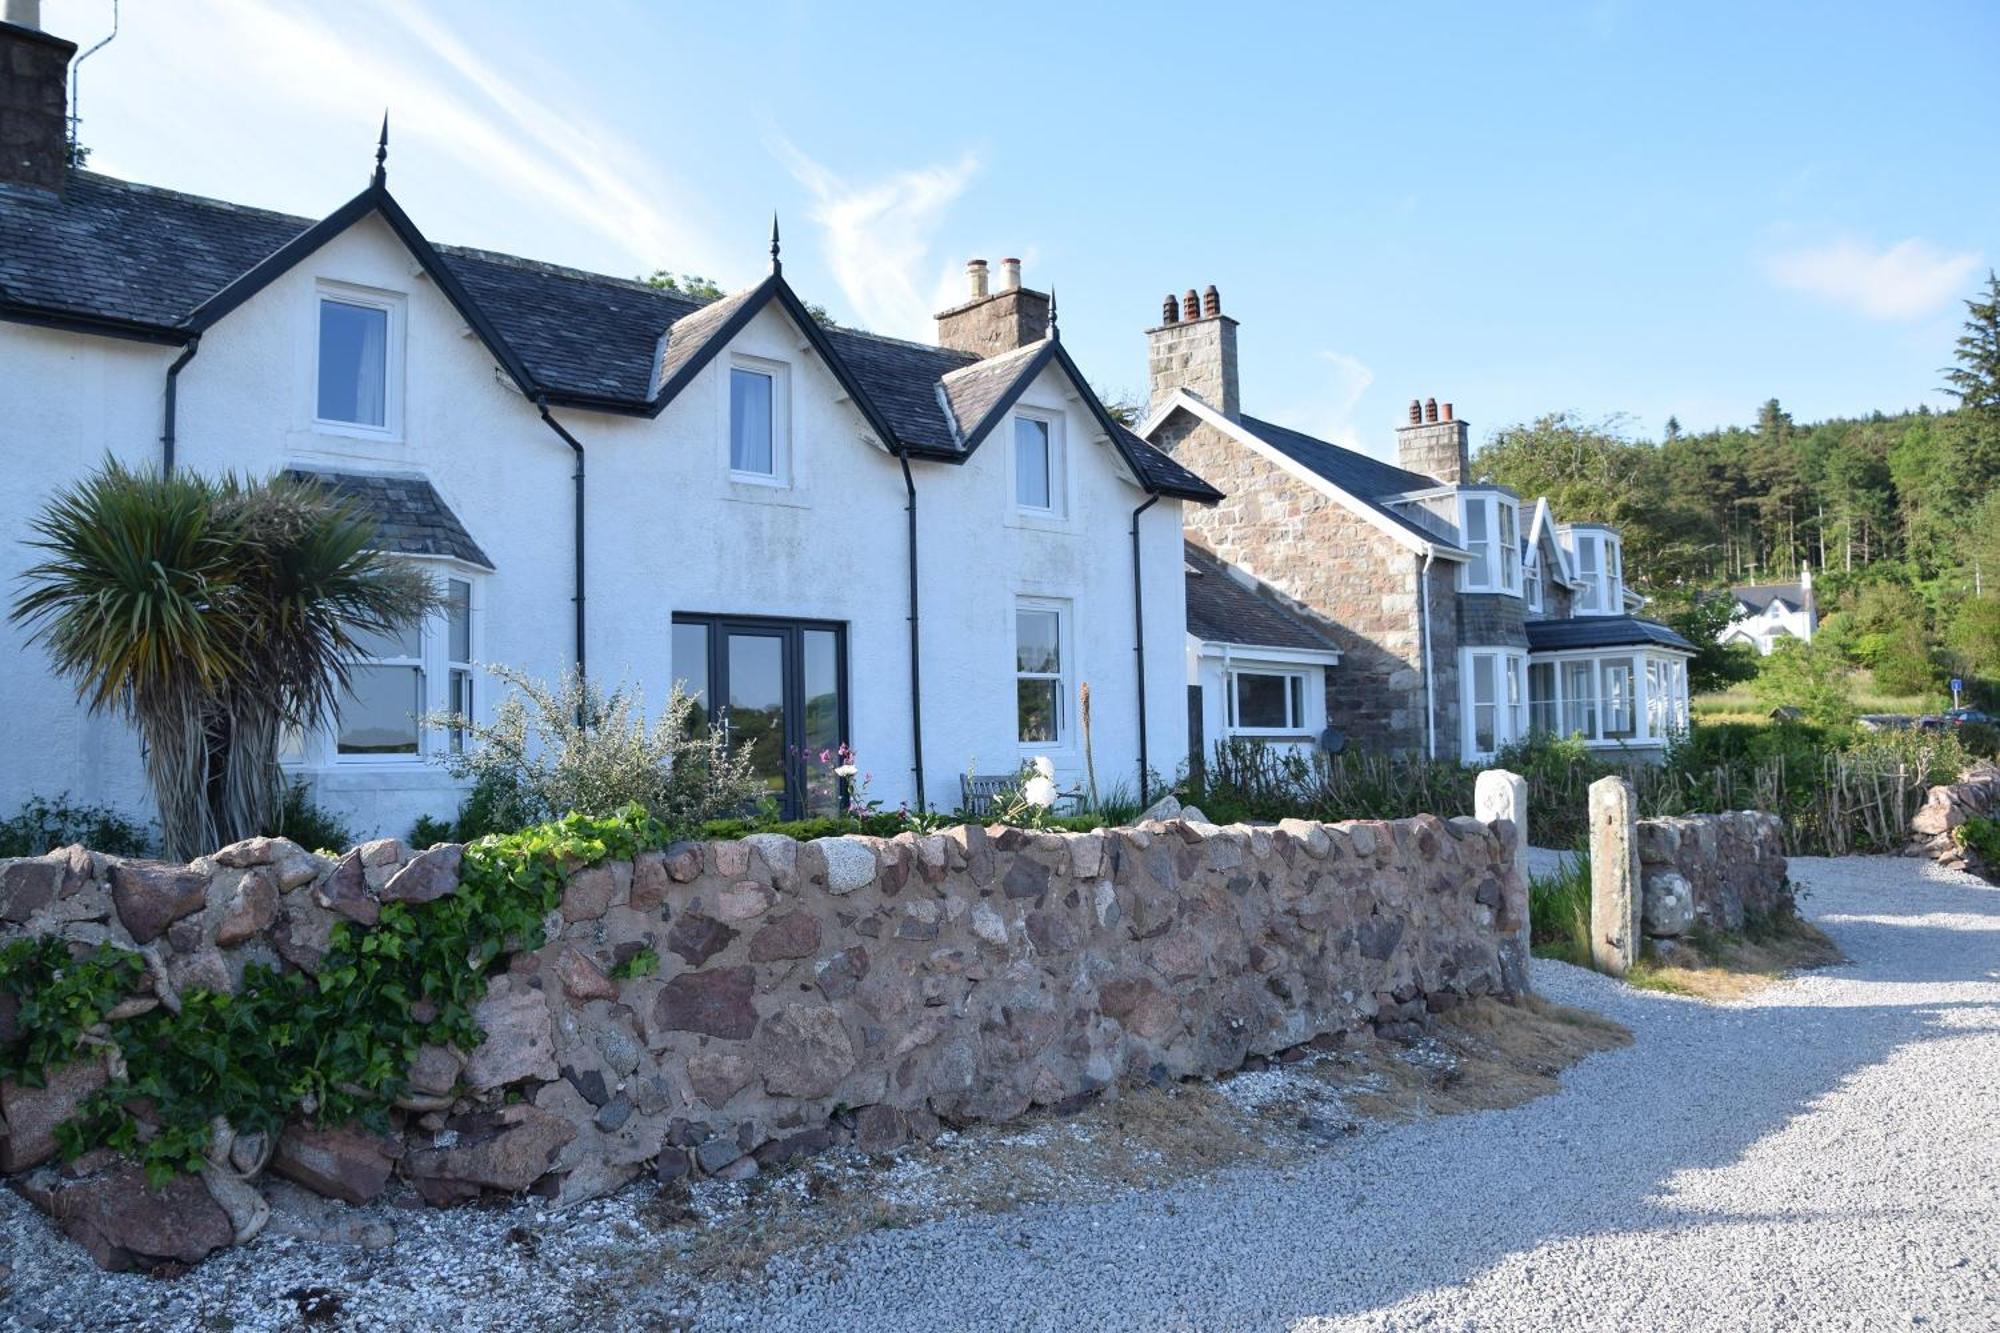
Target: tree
1975,380
214,615
691,285
1809,677
1716,665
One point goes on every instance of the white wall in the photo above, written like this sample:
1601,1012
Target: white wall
668,531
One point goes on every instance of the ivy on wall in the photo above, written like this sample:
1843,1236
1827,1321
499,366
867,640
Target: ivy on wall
330,1046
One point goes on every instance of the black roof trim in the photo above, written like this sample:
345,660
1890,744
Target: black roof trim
53,317
374,199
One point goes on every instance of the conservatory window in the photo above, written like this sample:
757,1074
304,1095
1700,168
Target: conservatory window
1542,702
1494,700
1621,713
1579,696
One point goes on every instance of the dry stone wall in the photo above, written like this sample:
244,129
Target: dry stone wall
1934,828
849,990
1711,871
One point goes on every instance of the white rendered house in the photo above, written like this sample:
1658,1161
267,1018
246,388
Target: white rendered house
1764,615
923,551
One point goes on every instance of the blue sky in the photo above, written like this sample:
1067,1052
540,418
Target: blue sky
1604,207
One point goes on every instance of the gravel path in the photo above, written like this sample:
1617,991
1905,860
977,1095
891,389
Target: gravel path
1826,1156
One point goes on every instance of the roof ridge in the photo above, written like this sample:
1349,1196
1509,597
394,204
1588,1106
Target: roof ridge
188,196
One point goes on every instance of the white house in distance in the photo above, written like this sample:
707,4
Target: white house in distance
924,551
1766,614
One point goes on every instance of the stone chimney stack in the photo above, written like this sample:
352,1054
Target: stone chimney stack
1434,444
34,102
992,322
1194,348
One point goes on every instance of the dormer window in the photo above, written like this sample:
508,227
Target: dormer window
1038,467
1491,526
357,353
1600,565
1531,585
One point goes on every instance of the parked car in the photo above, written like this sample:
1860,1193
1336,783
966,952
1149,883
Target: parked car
1885,721
1958,717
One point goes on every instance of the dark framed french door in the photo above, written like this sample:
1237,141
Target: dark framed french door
778,689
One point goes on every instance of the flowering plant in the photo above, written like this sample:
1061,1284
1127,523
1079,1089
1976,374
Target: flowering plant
836,784
1030,799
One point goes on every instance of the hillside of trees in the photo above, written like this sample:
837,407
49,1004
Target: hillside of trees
1899,516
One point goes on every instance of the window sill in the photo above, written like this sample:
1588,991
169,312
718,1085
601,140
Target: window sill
749,490
1050,522
349,430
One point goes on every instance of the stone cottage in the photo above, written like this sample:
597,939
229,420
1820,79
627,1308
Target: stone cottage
1464,619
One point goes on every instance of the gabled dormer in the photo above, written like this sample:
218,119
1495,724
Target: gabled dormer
1597,555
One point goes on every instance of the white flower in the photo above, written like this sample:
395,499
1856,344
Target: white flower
1039,791
1045,767
845,771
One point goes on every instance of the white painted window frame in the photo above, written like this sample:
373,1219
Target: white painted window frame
1065,672
1057,514
321,750
1509,703
396,305
1603,590
1503,558
1298,689
780,375
1652,671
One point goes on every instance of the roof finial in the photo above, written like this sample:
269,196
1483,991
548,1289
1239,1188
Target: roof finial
1055,334
382,154
777,265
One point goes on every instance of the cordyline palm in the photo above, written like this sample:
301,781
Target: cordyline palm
215,615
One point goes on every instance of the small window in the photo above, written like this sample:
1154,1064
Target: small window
353,363
458,656
385,696
1267,701
1509,552
752,429
1037,466
1038,669
1531,586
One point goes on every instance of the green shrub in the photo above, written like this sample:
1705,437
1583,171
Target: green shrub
42,825
326,1047
308,823
573,747
1980,836
1981,739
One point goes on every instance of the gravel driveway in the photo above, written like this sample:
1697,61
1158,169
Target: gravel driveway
1826,1156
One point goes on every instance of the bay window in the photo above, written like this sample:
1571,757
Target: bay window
1600,565
395,680
1490,524
1609,698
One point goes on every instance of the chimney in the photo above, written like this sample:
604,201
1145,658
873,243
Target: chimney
1193,348
1434,443
34,105
990,323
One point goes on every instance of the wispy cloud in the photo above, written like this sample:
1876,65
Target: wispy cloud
1904,281
1340,383
443,96
879,235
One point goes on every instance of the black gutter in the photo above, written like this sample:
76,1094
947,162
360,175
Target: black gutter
541,403
916,677
168,427
1139,643
106,326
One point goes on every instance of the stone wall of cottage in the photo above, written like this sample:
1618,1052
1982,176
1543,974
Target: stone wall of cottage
1338,570
852,990
1711,871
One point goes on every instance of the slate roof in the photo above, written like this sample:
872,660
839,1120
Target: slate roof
410,517
1759,596
1550,636
136,260
1367,479
1221,609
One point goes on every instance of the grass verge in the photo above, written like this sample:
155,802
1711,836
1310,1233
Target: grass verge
1712,966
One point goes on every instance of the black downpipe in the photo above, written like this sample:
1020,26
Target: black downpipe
576,446
1139,645
916,677
167,431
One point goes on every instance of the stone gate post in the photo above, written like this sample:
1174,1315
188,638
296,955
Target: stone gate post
1614,876
1498,796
